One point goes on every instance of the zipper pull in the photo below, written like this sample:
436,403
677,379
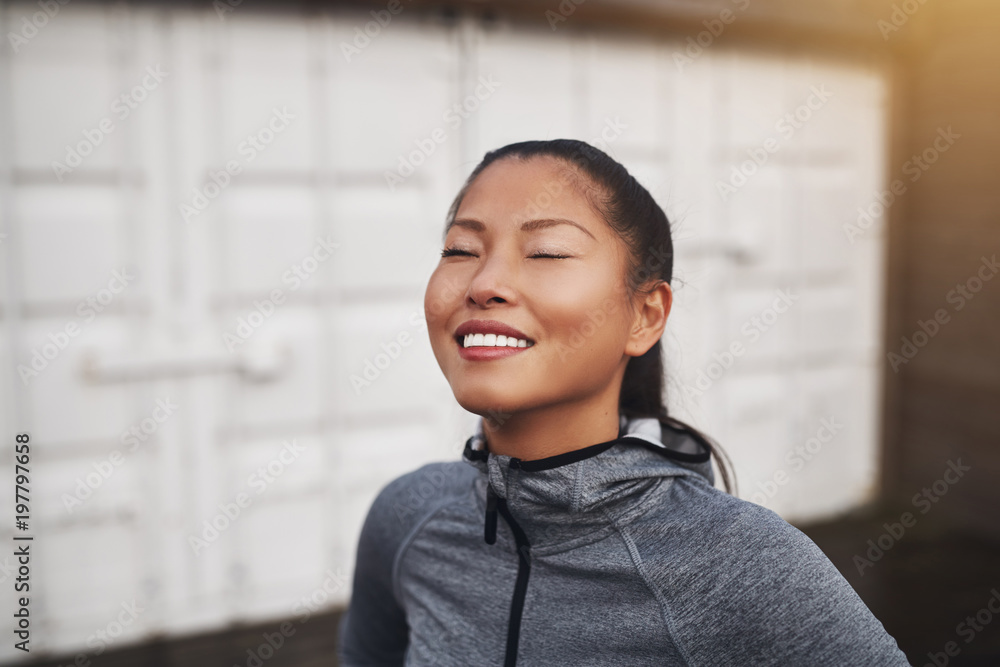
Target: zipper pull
491,514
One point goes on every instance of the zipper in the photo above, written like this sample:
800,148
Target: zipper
494,504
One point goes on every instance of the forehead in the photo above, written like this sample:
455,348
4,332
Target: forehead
512,190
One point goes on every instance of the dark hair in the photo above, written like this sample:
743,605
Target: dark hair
634,215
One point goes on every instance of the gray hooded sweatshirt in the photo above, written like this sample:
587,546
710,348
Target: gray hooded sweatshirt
620,553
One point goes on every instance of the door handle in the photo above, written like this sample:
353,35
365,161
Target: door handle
258,363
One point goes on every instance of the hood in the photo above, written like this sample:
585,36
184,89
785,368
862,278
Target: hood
570,495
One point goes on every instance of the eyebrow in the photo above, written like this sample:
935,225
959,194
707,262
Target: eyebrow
529,226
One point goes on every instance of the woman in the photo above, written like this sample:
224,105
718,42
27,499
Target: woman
545,315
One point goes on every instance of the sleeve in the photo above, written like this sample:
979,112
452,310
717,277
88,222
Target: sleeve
373,630
776,599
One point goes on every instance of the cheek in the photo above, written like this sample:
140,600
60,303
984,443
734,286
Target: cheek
439,299
589,324
585,297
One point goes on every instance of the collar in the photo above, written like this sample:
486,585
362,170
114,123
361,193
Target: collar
569,495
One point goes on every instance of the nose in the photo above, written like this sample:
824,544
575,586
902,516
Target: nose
494,282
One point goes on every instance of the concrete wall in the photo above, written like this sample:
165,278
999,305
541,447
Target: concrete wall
944,403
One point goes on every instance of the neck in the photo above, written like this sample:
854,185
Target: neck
554,429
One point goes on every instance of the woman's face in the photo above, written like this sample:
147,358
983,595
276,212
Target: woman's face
571,310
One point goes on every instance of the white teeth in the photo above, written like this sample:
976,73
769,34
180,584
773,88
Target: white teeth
493,340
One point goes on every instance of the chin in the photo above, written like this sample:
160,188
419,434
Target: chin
486,401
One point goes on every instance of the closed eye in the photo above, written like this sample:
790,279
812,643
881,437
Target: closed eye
450,252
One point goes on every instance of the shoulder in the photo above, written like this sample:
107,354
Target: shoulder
763,550
401,507
374,630
759,530
743,583
409,498
715,534
686,512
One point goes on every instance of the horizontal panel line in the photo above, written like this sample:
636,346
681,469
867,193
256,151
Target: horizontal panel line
138,178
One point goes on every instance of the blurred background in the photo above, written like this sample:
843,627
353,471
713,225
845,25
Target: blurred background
217,220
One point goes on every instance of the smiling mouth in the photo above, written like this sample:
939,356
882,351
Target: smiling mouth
491,341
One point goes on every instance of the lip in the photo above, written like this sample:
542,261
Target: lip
488,353
488,327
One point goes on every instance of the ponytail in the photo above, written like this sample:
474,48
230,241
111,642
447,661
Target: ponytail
642,396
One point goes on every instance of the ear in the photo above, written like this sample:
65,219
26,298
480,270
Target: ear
650,319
